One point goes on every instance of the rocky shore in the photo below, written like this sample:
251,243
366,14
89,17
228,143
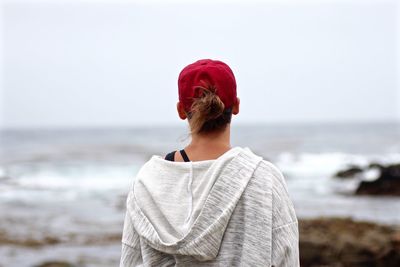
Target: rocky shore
341,242
385,182
328,242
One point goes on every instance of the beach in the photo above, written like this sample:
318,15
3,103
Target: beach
62,192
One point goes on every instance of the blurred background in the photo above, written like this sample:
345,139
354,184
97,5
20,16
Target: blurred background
88,92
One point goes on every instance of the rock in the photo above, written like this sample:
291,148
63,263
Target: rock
349,172
388,183
334,242
7,239
375,165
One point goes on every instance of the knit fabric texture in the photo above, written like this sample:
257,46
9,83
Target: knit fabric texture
231,211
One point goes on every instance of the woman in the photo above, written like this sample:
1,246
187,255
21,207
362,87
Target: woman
211,204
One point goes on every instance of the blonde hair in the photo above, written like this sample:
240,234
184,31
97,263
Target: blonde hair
207,113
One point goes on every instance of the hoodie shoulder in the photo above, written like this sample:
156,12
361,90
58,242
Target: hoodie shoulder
270,171
143,170
283,208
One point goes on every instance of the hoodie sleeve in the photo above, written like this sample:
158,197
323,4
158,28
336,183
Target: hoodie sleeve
130,251
285,234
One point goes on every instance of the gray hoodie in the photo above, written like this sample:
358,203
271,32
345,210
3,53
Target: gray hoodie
231,211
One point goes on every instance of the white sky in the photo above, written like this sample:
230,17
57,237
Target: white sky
1,68
85,63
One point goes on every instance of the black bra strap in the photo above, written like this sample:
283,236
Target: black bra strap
184,155
170,156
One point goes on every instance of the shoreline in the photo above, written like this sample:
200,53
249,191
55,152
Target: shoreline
324,241
340,242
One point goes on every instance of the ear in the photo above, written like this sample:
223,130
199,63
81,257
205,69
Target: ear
235,109
181,110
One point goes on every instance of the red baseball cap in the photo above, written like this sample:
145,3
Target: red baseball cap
213,72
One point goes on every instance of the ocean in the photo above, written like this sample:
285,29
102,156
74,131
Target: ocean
62,192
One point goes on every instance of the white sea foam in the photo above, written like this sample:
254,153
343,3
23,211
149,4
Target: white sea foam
91,178
53,182
327,164
309,177
315,191
371,174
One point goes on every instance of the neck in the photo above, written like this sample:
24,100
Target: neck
211,142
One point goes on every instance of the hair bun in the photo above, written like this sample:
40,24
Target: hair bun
207,110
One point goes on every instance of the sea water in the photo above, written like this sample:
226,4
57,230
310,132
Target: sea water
62,192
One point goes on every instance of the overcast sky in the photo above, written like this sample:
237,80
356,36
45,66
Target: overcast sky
84,64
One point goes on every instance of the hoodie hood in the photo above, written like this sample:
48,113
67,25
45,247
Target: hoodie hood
184,207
